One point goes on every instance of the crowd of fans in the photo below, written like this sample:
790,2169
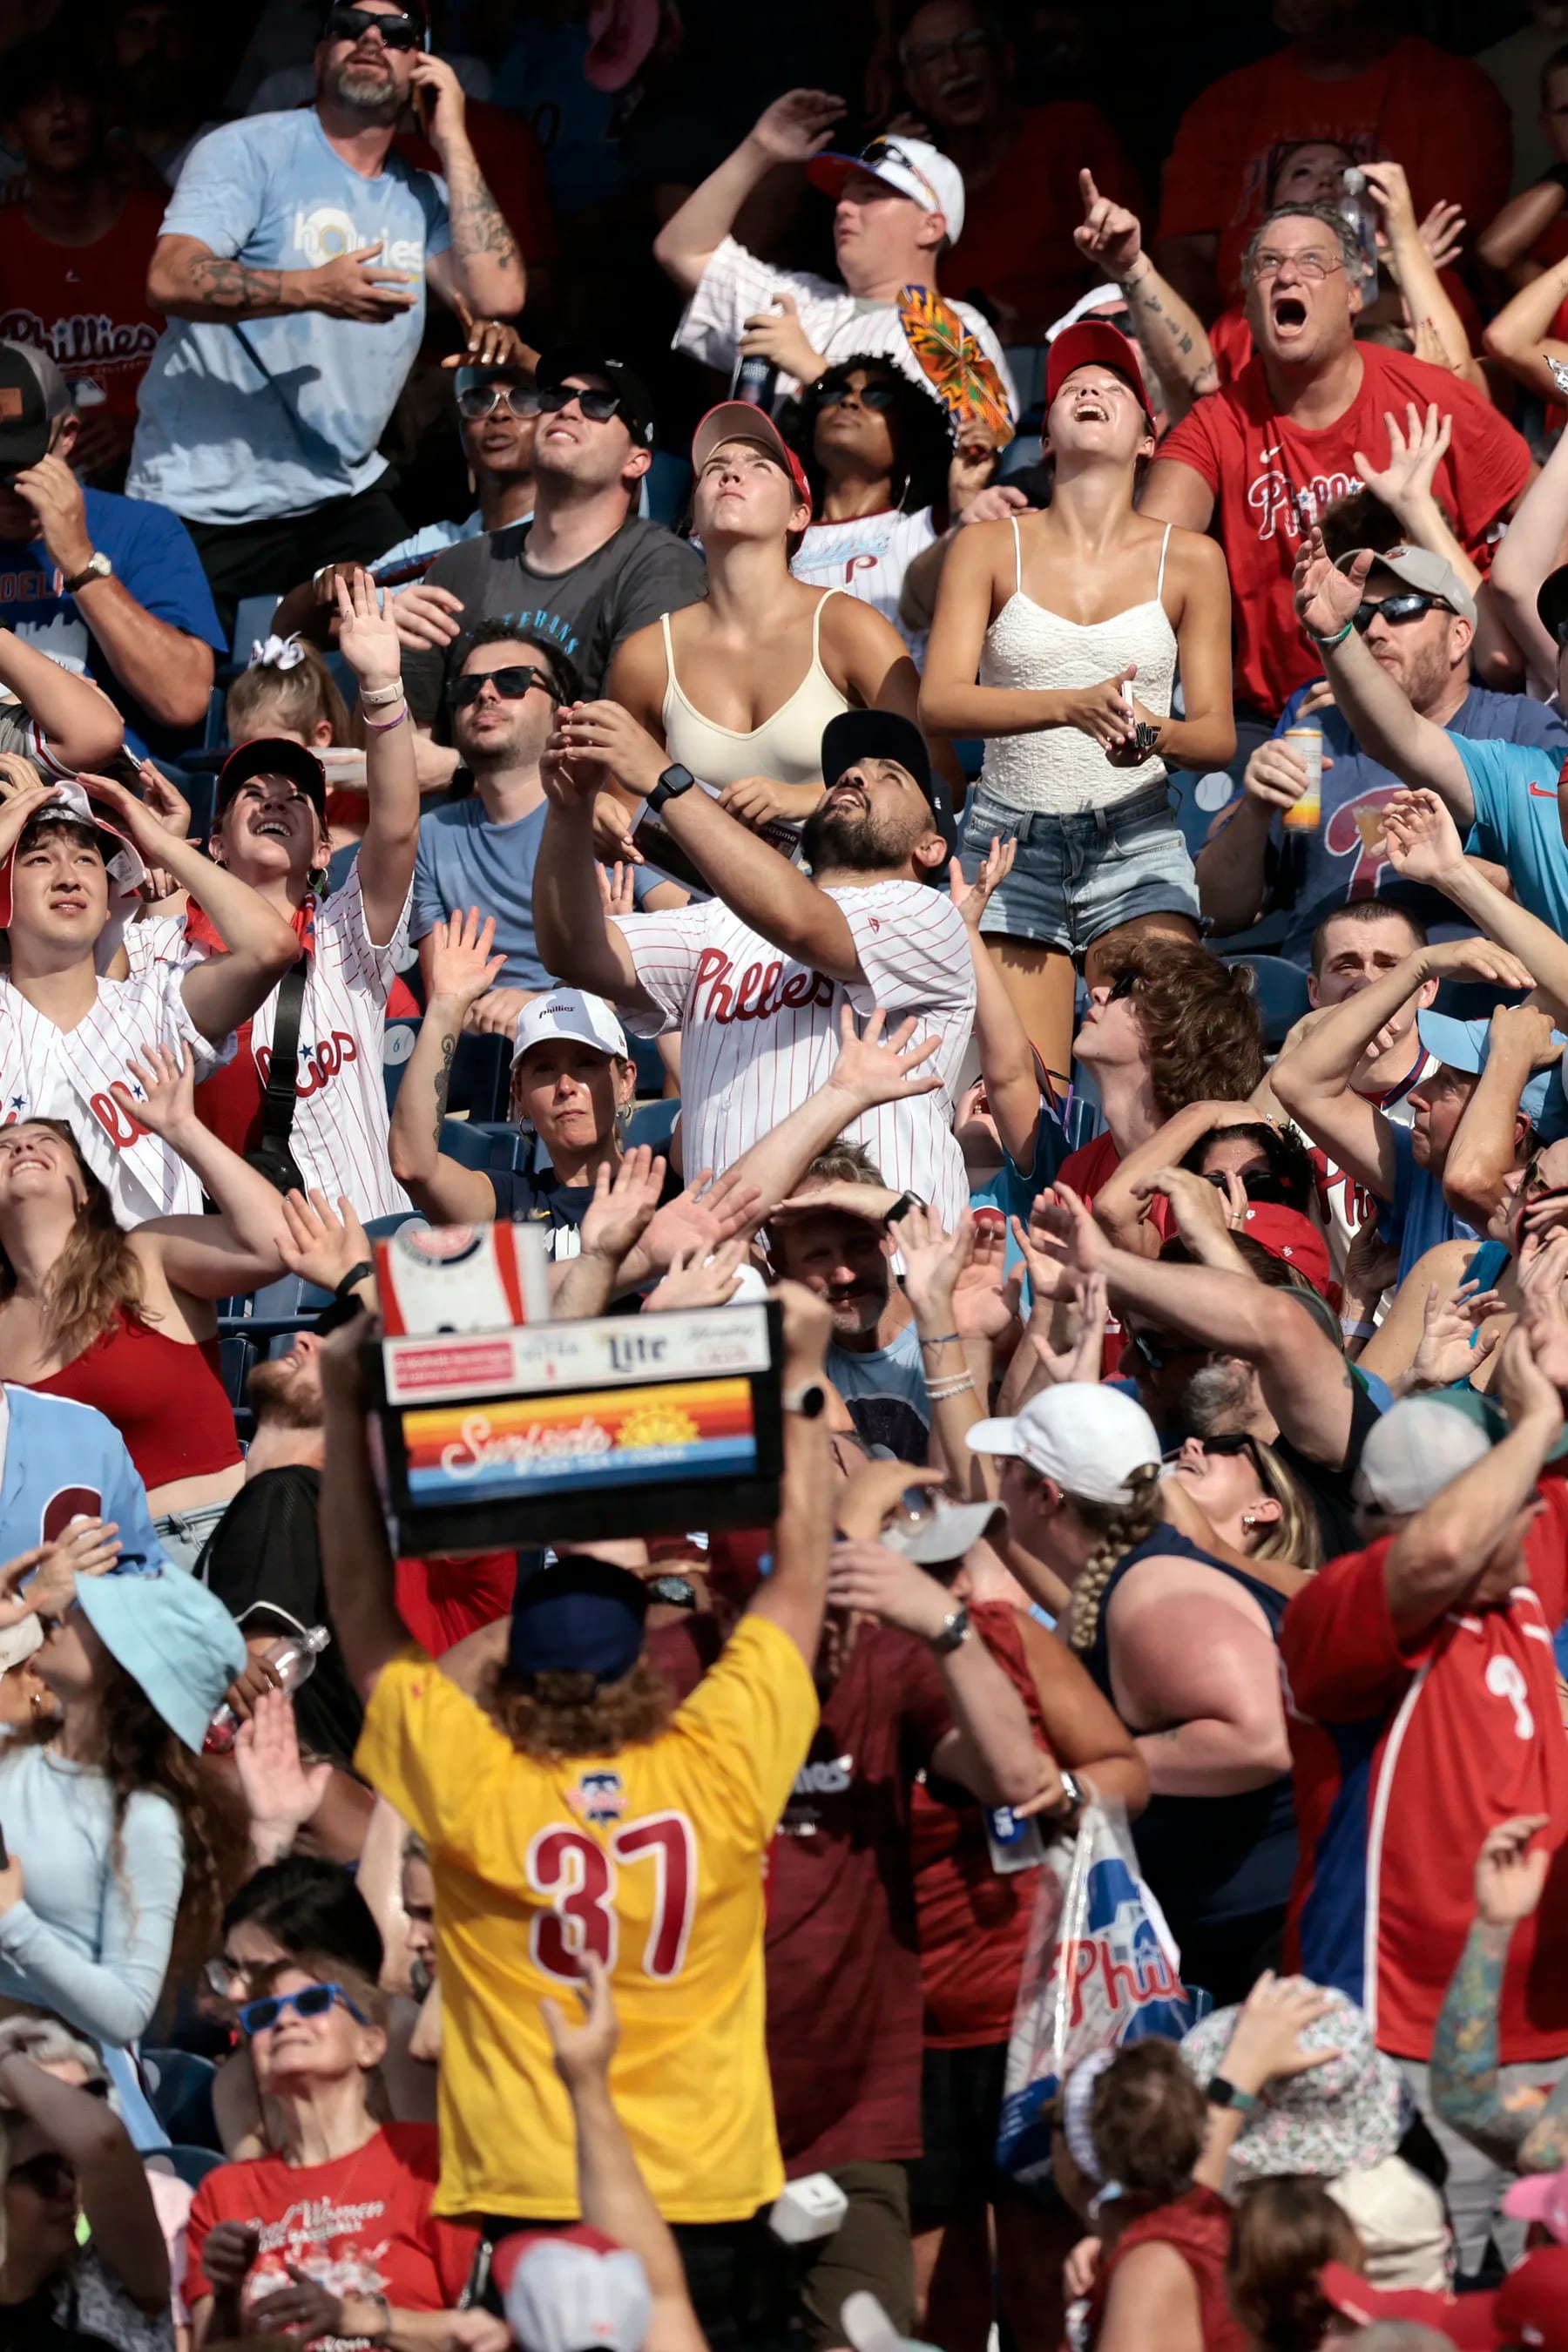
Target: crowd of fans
860,713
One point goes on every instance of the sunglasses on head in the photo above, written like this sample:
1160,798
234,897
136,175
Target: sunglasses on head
1396,610
597,406
48,2175
511,684
313,2001
477,401
401,32
871,395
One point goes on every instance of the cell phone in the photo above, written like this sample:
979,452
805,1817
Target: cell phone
424,104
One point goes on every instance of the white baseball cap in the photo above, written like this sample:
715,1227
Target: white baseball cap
1088,1439
913,166
1420,1445
573,1014
567,2290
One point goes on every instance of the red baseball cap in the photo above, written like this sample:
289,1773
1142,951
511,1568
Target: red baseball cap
1532,2304
1286,1233
740,420
1094,343
1468,2321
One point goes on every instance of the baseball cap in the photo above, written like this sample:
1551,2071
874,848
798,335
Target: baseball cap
174,1638
1466,2320
1418,568
579,1616
33,394
273,755
573,1014
1464,1045
1088,1439
1094,343
912,167
1532,2304
566,2289
742,420
565,360
944,1533
1286,1233
1542,2197
1418,1447
1551,602
856,735
123,861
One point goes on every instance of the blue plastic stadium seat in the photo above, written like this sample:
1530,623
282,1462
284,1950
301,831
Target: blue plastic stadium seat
397,1043
1280,989
192,2165
180,2088
235,1357
654,1122
667,487
481,1077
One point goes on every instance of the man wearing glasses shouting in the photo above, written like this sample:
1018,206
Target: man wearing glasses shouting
1305,423
292,269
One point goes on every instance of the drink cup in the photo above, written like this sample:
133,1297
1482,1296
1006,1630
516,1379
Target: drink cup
1306,814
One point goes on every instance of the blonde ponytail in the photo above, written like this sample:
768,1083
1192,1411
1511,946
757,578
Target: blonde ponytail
1117,1526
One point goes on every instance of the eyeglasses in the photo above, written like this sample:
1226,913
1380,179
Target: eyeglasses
314,2000
511,684
221,1973
871,395
1396,610
549,400
960,48
477,401
48,2175
352,24
1312,265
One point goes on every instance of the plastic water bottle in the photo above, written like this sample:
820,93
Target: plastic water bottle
293,1658
756,381
1358,207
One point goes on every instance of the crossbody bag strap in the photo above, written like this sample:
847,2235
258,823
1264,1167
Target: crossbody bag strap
283,1071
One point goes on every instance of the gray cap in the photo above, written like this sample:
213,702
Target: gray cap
1418,568
1418,1447
945,1532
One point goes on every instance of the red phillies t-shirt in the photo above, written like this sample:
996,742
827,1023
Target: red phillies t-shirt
1272,478
1439,115
361,2224
845,2006
1404,1756
1017,244
973,1921
87,305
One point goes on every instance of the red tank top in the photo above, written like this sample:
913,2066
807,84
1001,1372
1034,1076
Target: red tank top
165,1397
973,1921
1197,2224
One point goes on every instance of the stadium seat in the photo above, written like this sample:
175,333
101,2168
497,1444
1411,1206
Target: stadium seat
180,2089
654,1122
481,1077
191,2165
667,488
1280,989
396,1049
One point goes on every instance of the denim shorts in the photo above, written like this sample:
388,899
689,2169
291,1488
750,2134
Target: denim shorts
1076,878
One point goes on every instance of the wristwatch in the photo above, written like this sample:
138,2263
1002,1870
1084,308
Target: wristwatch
97,567
675,781
953,1634
675,1592
809,1399
1220,2092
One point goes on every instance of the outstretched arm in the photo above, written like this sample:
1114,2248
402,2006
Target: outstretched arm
459,969
572,925
1535,543
77,719
210,1257
1467,2088
791,130
369,643
868,1073
1521,335
356,1562
1424,847
1169,330
115,2197
795,1595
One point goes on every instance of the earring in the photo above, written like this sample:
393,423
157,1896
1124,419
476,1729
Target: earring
1249,1519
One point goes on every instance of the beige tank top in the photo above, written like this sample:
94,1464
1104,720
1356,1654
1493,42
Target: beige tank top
787,746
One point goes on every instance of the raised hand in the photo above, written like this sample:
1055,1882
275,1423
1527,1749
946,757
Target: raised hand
367,636
616,891
797,126
320,1245
166,1102
281,1792
86,1547
1450,1348
1083,1361
1421,840
704,1216
1414,457
623,1206
1508,1877
696,1278
1108,236
871,1070
1442,234
165,800
1326,599
1482,959
933,1260
607,740
463,962
971,899
777,336
985,1297
1264,2044
583,2052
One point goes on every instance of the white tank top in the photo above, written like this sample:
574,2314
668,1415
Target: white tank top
1058,770
787,746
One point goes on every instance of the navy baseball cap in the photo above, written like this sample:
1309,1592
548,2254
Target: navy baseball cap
273,755
580,1616
856,735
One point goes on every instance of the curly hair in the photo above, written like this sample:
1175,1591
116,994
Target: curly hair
1198,1018
1148,2117
1285,2228
1117,1528
917,429
95,1274
563,1714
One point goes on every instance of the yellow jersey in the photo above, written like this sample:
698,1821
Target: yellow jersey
654,1858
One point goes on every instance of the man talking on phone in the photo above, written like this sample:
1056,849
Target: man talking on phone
292,268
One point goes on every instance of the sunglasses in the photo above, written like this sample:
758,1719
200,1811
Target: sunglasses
259,2016
1264,1188
1396,610
352,24
1128,985
1233,1442
1157,1351
477,401
48,2175
511,684
549,399
871,395
888,151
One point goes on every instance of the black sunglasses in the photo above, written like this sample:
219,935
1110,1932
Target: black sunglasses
1128,985
1396,610
549,399
476,401
1264,1188
352,24
314,2000
871,395
511,684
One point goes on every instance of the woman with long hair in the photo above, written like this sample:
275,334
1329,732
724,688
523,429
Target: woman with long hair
1283,2231
117,1841
127,1322
1073,621
1182,1642
1250,1501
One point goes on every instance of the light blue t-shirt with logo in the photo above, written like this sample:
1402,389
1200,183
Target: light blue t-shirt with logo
273,417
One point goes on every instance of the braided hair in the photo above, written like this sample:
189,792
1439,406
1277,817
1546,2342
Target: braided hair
1118,1526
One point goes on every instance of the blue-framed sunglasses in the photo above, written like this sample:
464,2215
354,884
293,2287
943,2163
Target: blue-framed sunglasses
312,2001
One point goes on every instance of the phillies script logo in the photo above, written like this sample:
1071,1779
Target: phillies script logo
760,992
1356,831
1286,509
322,1062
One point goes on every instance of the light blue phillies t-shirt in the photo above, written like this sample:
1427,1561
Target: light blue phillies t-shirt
272,416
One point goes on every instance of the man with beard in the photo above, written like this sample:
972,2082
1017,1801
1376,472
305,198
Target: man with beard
292,269
754,977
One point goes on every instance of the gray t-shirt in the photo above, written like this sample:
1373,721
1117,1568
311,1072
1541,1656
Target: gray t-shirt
642,572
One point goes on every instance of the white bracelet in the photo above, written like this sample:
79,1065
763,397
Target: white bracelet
376,697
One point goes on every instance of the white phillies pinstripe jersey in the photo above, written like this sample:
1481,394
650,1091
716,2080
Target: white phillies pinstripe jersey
759,1033
66,1074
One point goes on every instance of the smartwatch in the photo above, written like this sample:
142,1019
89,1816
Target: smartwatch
901,1207
953,1634
675,781
1220,2092
810,1399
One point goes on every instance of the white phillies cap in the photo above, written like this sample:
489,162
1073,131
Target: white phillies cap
1418,1447
913,166
569,1013
573,2291
1088,1439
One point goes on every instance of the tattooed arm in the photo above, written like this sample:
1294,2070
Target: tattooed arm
458,967
482,269
1168,329
186,279
1465,2086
